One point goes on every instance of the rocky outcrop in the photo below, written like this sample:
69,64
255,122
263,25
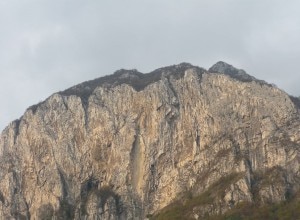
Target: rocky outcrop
129,145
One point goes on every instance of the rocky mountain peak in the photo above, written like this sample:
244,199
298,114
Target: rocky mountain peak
177,143
225,68
131,77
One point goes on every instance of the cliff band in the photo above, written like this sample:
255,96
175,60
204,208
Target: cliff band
129,145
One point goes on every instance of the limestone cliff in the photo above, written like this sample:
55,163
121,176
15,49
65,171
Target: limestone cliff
128,145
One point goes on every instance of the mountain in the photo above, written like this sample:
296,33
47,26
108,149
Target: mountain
180,142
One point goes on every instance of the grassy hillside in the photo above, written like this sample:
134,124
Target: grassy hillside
183,208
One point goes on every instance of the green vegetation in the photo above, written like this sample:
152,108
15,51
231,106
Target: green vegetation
288,210
183,207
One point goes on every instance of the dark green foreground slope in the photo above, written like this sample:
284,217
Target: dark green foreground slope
184,208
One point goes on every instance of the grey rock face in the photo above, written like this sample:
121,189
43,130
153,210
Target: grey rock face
127,145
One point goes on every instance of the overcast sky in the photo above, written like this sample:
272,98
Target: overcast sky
49,45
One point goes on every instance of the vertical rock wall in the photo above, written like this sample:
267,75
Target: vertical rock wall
124,153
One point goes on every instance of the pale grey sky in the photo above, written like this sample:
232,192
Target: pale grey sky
50,45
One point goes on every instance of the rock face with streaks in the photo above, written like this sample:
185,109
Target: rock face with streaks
127,145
